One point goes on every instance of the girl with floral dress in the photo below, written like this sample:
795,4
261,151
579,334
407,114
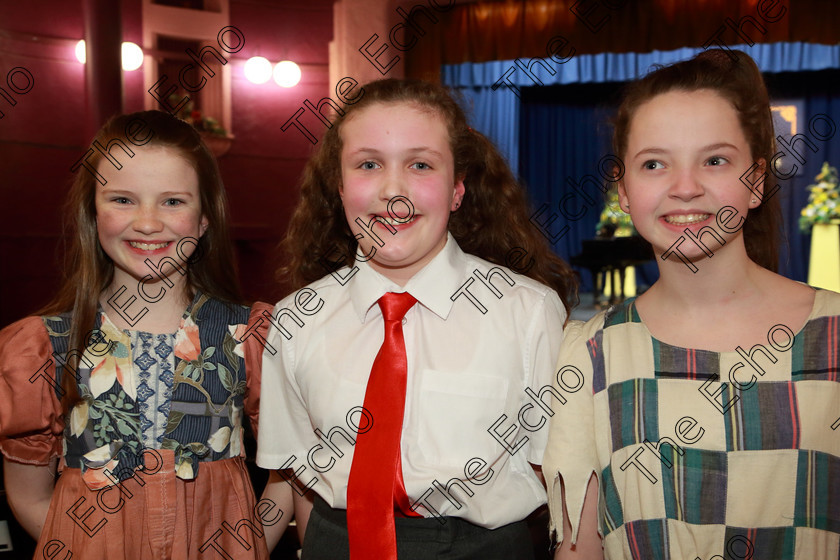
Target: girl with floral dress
135,380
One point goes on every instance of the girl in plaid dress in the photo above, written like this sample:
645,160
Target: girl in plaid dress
704,427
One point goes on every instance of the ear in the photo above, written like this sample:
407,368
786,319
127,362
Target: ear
202,225
757,183
457,194
623,199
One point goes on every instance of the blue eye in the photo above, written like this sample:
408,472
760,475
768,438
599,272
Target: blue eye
174,202
120,200
368,165
421,165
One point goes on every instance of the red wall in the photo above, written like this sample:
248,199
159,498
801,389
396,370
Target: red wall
46,132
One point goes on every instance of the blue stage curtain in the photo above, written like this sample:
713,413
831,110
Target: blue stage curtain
497,117
561,145
623,67
548,142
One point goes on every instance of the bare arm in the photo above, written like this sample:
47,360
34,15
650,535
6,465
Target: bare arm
538,472
29,489
303,507
280,493
588,545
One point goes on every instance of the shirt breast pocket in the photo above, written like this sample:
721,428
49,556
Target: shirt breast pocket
454,412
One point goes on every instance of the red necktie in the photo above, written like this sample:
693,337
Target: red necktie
375,483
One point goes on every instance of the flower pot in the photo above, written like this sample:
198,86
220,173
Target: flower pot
824,268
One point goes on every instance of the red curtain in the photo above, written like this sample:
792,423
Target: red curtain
508,29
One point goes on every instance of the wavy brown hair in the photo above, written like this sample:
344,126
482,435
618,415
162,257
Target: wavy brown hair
734,76
88,270
492,222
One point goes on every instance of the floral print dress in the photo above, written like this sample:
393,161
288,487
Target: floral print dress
151,457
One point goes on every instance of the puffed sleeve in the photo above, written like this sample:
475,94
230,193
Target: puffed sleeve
254,344
31,422
571,450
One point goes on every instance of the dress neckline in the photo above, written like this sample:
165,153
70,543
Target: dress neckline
630,305
106,319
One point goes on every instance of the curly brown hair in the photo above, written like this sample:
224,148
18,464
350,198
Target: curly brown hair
734,76
492,222
89,270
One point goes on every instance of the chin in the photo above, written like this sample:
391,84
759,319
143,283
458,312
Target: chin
394,263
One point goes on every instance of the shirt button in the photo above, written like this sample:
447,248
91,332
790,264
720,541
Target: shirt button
404,321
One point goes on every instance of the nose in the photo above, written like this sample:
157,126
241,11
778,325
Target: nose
686,185
147,221
393,184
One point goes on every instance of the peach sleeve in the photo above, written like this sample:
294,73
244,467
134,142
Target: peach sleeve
254,344
31,422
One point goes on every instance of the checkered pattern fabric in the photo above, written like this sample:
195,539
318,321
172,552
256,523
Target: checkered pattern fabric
703,454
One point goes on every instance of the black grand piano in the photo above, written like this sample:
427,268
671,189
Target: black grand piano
611,255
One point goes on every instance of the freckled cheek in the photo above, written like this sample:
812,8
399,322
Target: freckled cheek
109,226
188,224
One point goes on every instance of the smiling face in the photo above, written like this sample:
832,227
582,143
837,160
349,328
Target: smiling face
685,155
398,150
144,210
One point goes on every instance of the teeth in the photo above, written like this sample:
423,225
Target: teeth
682,219
394,222
147,246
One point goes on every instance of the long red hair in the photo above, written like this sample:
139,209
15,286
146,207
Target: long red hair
88,270
493,222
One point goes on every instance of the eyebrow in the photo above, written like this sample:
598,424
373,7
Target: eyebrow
121,192
655,150
718,146
177,193
417,150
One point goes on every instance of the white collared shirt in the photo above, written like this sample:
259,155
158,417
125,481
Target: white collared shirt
470,361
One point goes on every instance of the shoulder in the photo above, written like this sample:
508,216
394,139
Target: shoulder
27,328
526,299
222,311
617,320
25,344
497,273
826,304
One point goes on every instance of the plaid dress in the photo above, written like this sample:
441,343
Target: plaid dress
698,453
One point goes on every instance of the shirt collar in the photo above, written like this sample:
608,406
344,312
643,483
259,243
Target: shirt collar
432,286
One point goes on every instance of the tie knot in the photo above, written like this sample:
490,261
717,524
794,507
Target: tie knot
394,306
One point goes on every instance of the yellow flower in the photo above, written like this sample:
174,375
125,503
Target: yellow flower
79,418
113,366
219,440
184,471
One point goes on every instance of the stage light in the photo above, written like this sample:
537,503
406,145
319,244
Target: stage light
81,56
287,74
258,70
132,55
